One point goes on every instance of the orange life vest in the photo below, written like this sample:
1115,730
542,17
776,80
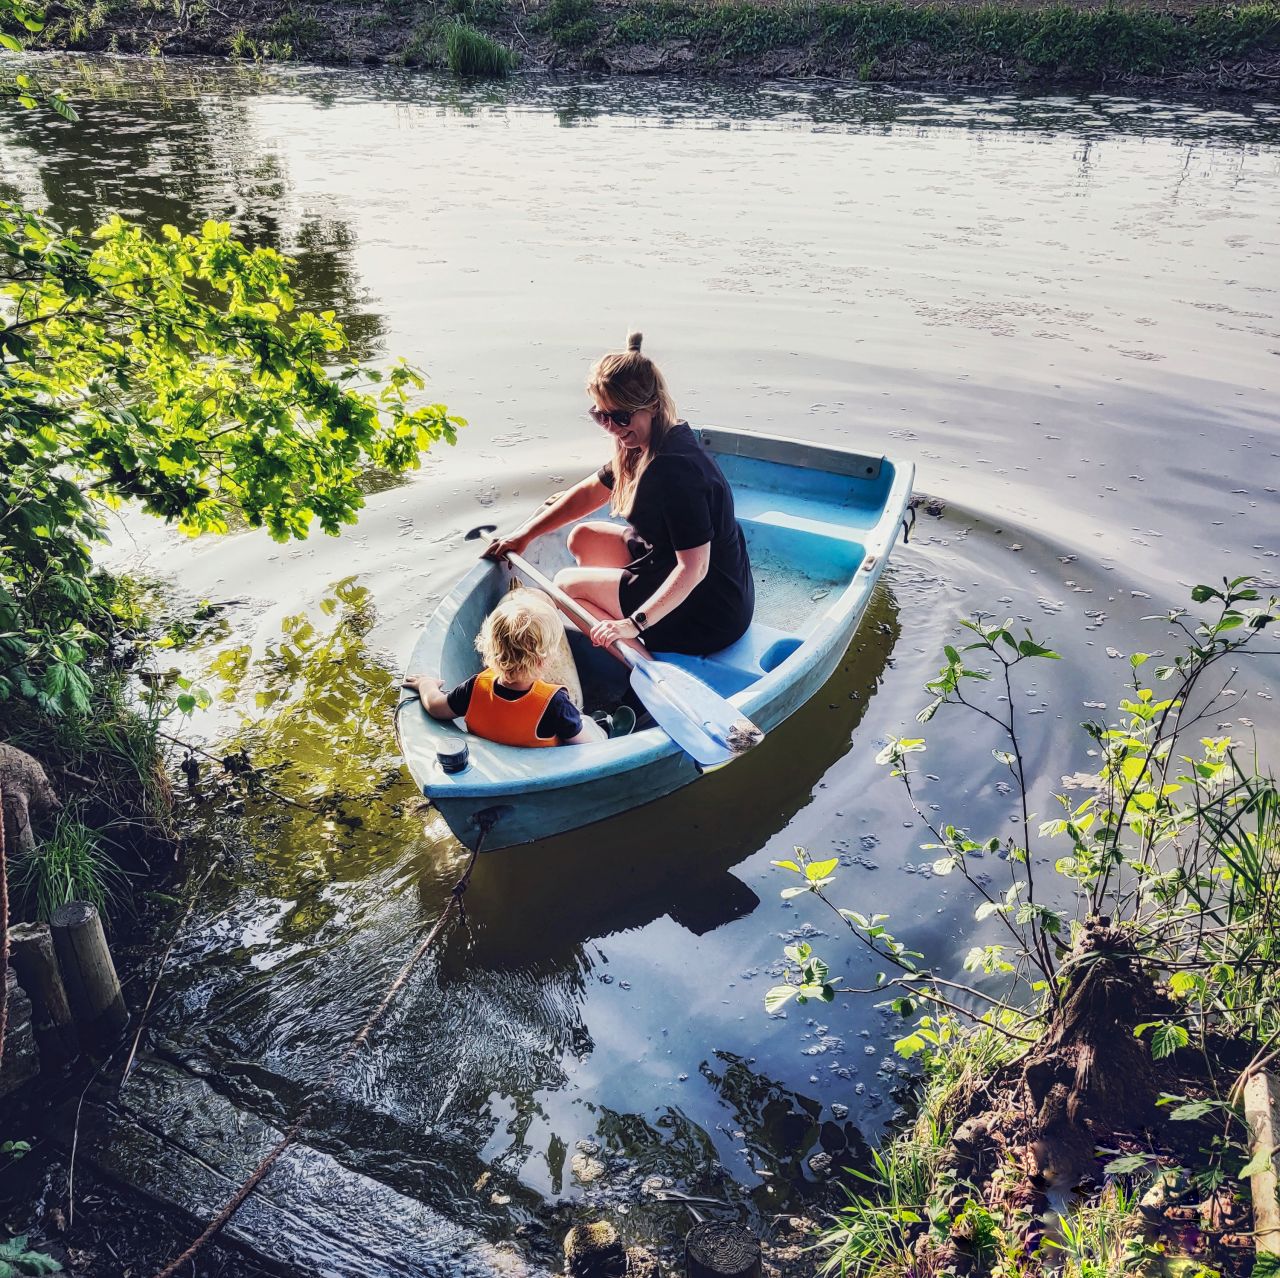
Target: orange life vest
509,722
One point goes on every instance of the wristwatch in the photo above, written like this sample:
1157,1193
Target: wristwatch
639,620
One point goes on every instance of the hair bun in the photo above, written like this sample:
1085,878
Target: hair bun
633,341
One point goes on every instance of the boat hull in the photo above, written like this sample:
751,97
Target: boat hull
819,523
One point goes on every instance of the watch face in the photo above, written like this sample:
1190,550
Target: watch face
640,619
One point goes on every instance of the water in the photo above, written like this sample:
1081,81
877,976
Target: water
1063,309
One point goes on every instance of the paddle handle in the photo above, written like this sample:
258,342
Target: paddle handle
586,622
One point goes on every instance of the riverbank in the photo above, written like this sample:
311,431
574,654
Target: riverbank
1194,47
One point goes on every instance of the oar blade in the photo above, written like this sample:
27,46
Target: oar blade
698,719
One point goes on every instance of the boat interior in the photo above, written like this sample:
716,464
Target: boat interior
805,529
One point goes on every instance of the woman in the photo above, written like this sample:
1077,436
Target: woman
677,573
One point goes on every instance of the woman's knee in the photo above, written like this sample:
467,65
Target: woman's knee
598,543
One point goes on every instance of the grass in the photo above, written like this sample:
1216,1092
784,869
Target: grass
69,865
469,52
874,1233
1058,39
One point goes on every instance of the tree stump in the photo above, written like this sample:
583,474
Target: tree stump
717,1250
93,988
21,1060
33,958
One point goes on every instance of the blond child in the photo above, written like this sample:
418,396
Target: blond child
508,701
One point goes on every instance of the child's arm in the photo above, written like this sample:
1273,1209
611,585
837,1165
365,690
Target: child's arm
431,693
590,734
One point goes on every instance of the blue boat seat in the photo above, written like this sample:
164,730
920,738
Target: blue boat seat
761,649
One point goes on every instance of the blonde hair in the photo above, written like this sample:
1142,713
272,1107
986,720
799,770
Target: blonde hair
515,640
630,381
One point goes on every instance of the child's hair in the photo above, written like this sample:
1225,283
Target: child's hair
515,640
629,381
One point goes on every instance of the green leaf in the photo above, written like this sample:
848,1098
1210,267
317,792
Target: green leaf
1202,594
787,865
778,997
1191,1111
16,1260
1167,1038
1258,1164
9,42
1127,1164
820,869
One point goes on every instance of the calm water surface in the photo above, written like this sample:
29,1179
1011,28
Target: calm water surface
1065,310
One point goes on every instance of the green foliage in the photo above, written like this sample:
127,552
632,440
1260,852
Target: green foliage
571,23
18,1261
1057,39
480,13
907,1193
1104,1238
18,21
298,31
170,371
1175,842
472,53
69,865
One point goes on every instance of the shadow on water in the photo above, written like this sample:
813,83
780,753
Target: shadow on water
672,857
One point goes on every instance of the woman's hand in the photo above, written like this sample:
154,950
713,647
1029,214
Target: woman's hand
500,547
604,633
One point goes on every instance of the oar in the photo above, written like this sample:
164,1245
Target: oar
697,718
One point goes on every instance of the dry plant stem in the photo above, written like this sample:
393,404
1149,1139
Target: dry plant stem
271,790
155,984
908,981
1033,952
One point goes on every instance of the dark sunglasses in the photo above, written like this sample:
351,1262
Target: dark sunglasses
618,417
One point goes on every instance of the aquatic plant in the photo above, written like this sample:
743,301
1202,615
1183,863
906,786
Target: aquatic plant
472,53
1167,941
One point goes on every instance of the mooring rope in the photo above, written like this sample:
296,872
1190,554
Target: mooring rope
485,823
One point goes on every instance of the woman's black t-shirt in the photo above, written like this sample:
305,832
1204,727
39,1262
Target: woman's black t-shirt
683,501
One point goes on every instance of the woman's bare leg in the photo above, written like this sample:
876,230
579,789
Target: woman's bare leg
596,589
598,544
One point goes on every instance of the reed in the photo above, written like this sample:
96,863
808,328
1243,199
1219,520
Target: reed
469,52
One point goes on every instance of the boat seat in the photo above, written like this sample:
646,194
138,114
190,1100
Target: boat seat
826,550
761,649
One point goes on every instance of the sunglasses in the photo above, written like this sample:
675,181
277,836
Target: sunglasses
618,417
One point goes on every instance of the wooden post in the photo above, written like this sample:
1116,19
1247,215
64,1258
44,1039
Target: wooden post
36,964
93,988
1262,1111
716,1250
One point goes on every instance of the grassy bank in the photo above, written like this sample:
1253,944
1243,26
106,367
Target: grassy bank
1235,47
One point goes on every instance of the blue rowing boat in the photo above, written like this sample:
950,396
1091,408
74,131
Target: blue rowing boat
819,522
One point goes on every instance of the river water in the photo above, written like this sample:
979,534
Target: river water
1065,310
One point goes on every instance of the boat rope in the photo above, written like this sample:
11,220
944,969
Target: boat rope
485,822
908,523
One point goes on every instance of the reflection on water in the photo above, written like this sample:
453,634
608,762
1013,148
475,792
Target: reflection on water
317,914
1062,309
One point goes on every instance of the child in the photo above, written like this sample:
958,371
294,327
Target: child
508,701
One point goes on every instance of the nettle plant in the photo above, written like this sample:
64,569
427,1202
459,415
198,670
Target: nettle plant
1169,860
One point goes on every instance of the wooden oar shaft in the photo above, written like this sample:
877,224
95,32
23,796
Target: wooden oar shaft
586,621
